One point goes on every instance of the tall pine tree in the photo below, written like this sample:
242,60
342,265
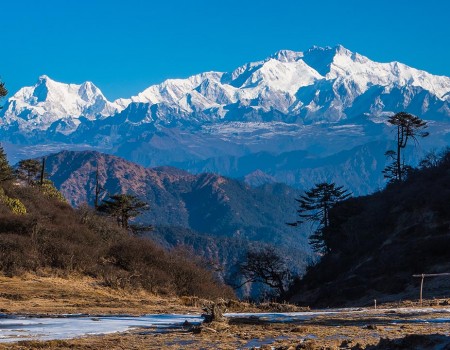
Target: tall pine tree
29,170
6,172
408,127
315,206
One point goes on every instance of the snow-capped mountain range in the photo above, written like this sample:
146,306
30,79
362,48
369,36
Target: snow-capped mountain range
322,101
48,103
320,84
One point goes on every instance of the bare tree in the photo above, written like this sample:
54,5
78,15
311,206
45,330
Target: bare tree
99,190
268,267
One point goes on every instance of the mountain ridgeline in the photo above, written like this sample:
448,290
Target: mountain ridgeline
294,117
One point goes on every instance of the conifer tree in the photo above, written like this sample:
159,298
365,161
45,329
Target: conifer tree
408,127
123,207
315,206
6,171
29,169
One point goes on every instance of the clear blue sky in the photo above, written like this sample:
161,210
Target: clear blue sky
125,46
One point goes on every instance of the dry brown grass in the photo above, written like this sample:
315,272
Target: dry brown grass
31,294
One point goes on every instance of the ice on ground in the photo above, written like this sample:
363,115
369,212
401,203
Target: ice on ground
16,328
301,316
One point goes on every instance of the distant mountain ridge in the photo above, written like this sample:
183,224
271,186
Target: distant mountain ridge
322,103
206,203
217,216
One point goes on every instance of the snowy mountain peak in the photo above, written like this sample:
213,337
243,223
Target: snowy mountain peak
287,55
43,78
321,83
48,102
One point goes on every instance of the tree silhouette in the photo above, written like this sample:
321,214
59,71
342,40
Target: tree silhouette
123,207
6,171
268,267
315,206
408,127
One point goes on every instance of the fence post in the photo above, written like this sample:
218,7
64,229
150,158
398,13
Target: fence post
422,276
421,289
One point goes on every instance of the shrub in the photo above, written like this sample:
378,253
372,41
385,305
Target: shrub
55,236
14,204
50,191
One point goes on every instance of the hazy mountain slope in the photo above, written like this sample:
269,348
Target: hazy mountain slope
379,241
219,211
205,202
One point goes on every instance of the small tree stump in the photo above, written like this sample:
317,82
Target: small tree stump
214,312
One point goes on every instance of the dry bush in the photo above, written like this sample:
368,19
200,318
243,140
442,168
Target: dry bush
55,236
188,272
15,254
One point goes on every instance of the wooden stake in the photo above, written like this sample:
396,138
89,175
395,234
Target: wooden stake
422,276
421,289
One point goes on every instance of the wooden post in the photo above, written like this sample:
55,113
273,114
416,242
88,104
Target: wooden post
421,290
422,276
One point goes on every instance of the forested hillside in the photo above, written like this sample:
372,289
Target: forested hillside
377,242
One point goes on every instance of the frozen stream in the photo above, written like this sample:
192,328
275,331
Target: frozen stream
14,328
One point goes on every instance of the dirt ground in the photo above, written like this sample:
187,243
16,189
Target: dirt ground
51,295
